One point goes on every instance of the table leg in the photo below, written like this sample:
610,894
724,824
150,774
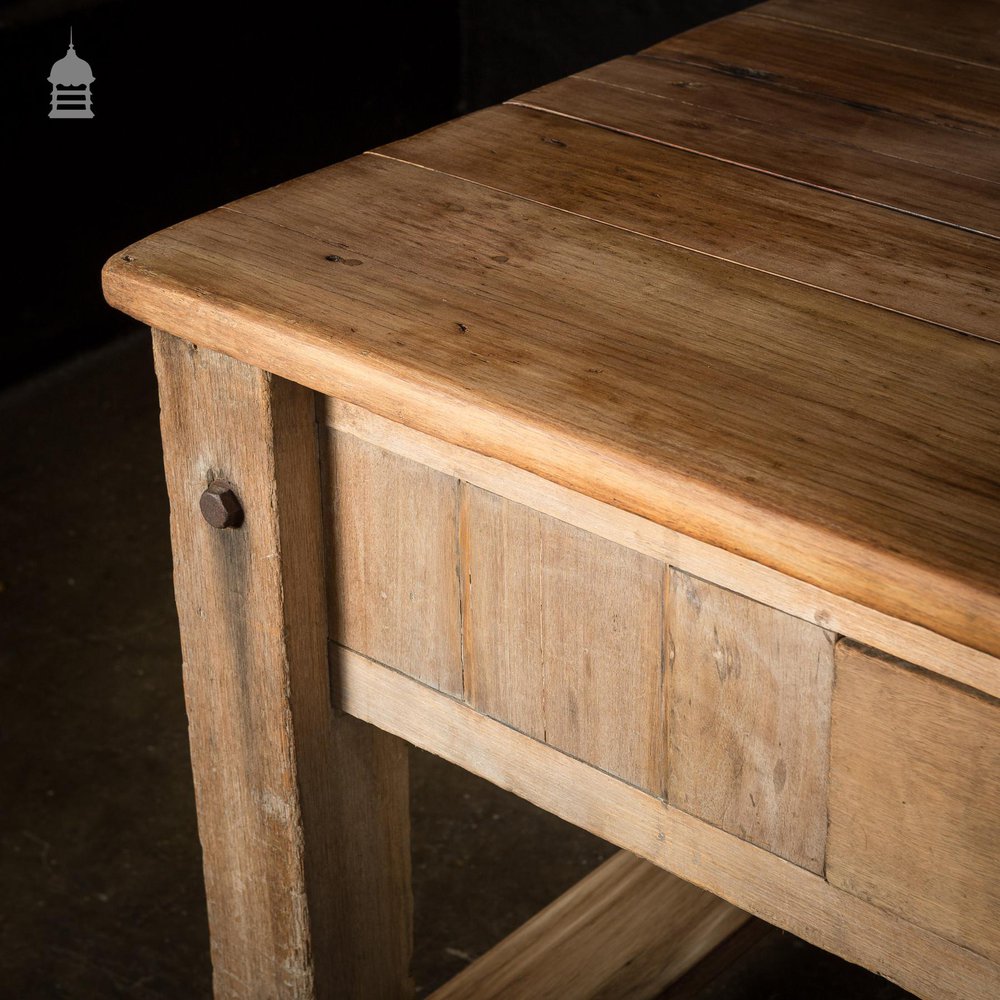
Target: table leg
303,813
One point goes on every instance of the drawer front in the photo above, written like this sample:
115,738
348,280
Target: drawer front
749,719
563,636
915,797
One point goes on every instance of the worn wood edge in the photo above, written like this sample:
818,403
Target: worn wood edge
626,930
866,574
747,876
744,576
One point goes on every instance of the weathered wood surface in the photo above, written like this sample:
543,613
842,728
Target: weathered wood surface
895,80
303,817
915,797
393,525
749,697
742,576
963,30
625,932
890,259
563,636
846,446
749,877
664,103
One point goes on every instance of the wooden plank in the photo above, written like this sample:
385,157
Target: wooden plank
915,797
303,818
702,401
965,30
888,259
743,576
753,879
780,150
749,699
852,125
563,636
916,85
625,932
393,525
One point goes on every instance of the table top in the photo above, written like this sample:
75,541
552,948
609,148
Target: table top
744,284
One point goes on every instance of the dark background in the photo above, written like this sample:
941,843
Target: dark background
196,104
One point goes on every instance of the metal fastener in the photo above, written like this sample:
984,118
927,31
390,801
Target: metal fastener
220,505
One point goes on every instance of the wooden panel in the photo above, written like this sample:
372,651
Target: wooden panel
775,890
781,150
915,84
625,932
702,401
968,30
915,797
749,696
724,569
849,124
563,636
303,817
394,537
889,259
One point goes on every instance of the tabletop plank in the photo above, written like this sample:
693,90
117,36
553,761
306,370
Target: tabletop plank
968,30
844,445
890,259
914,84
623,99
862,127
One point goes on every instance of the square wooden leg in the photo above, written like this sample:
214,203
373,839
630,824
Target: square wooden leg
303,813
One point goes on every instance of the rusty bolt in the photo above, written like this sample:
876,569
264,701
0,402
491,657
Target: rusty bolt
220,506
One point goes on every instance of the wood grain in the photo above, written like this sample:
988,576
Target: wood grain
760,221
625,932
703,401
628,97
848,124
965,30
563,636
303,818
915,797
743,576
753,879
749,699
393,525
909,83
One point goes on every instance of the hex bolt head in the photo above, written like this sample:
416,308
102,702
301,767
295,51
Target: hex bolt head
220,506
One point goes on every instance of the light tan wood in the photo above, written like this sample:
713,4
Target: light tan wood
702,401
749,719
563,636
751,878
964,30
393,525
621,99
915,797
893,80
849,124
743,576
625,932
817,237
303,818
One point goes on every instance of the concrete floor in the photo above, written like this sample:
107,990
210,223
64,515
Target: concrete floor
100,880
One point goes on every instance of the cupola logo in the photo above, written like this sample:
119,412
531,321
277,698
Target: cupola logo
71,78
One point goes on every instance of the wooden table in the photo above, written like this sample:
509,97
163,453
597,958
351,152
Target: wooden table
635,445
